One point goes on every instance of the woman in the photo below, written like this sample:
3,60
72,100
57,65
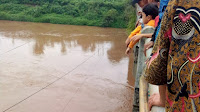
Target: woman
175,57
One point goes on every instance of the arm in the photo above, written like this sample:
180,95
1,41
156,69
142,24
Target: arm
127,42
136,38
162,91
136,31
147,46
149,35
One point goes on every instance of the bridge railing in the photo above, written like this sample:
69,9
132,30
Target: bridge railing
142,89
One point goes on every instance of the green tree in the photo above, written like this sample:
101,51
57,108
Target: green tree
109,17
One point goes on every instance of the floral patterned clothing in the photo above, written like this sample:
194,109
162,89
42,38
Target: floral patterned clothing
176,56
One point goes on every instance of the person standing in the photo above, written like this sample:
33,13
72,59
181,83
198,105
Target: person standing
175,60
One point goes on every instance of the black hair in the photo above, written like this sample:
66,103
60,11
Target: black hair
134,2
151,9
157,0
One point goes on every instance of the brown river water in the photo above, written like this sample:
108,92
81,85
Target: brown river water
64,68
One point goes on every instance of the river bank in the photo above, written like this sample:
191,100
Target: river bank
107,13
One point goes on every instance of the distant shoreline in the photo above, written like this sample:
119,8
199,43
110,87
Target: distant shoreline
89,12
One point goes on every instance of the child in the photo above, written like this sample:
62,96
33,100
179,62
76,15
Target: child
149,12
141,4
162,7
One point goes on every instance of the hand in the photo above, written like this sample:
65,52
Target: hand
147,61
128,50
156,101
127,42
139,13
136,37
137,23
147,46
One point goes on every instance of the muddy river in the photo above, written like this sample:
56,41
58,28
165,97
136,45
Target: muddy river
64,68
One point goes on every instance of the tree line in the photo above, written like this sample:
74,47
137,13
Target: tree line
104,13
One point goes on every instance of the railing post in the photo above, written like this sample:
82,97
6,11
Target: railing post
140,64
139,70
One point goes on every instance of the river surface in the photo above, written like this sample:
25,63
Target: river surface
64,68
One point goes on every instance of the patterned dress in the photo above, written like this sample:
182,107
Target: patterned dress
176,56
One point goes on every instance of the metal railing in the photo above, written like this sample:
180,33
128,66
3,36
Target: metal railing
142,88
